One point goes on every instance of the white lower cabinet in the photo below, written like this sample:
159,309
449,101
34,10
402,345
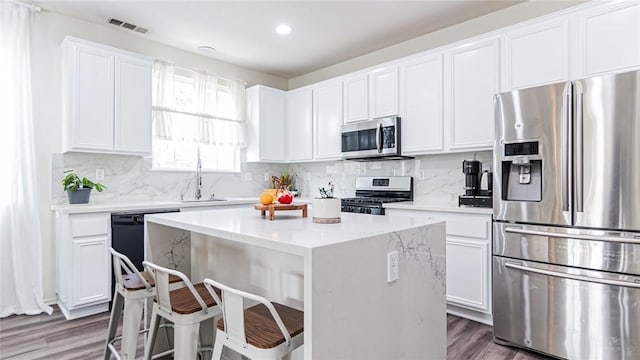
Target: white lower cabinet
83,264
468,247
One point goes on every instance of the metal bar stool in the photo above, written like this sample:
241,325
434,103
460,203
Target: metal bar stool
186,308
131,291
263,331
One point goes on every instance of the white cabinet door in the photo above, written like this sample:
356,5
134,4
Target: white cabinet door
421,104
383,90
107,99
536,55
300,125
327,121
272,124
356,98
266,113
132,105
467,273
474,79
609,38
91,99
91,274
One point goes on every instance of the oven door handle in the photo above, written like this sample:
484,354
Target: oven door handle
379,137
572,276
614,239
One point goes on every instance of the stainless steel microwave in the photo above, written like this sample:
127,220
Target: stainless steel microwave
368,140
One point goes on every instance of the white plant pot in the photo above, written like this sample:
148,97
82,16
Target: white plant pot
326,210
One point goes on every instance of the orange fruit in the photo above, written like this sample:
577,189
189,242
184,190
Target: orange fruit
266,198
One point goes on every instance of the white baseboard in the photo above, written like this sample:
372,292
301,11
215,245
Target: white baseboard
50,301
470,314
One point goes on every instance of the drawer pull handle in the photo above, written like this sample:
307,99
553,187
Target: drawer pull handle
635,284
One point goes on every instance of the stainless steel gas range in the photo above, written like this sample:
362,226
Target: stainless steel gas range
372,192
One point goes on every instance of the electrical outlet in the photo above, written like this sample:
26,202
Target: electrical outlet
393,266
99,174
421,174
248,176
267,177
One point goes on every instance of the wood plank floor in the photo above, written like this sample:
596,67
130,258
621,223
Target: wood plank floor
52,337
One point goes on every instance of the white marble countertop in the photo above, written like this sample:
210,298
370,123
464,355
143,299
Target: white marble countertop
146,205
427,206
289,231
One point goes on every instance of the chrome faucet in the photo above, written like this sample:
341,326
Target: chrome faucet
198,194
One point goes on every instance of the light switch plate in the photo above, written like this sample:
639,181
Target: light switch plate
393,266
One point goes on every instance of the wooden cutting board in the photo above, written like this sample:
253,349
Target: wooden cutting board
272,208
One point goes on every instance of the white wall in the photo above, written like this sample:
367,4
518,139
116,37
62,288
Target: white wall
48,31
493,21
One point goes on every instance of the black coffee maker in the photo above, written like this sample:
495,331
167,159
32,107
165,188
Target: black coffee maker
478,185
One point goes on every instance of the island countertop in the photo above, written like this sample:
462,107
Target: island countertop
289,231
340,275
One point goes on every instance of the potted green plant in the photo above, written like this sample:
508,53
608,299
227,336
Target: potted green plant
79,189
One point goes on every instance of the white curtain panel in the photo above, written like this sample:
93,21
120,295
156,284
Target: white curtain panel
20,239
195,106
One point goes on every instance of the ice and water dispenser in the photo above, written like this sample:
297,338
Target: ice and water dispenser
521,171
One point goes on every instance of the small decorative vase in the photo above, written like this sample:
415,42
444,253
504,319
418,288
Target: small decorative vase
326,210
79,196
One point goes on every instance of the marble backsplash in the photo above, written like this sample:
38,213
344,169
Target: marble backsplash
437,178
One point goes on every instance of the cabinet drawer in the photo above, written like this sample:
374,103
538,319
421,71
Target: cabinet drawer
89,224
469,226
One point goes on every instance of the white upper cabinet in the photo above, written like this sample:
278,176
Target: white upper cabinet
536,55
473,71
107,99
89,100
421,104
266,124
383,85
327,120
132,117
371,95
356,98
300,125
609,38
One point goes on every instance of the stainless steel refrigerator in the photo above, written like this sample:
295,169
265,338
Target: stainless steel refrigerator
566,236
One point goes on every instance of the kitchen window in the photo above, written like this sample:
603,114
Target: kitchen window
196,114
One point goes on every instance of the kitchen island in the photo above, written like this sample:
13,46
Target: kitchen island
336,273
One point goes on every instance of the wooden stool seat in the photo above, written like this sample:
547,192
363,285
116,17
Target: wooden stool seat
186,308
183,302
262,331
132,281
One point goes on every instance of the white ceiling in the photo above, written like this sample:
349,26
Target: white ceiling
242,32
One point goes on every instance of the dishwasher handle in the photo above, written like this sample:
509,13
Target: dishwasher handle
136,218
128,219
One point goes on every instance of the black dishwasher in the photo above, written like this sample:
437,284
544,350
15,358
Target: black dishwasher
127,236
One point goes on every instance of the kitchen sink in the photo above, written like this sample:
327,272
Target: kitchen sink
203,200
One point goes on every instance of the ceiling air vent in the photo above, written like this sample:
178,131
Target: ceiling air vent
127,25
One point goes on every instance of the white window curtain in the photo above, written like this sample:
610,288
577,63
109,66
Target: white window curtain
195,112
21,244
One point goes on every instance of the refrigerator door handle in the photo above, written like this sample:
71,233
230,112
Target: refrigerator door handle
579,153
615,239
566,141
572,276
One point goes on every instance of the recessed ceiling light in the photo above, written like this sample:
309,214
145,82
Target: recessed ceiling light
283,29
207,49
